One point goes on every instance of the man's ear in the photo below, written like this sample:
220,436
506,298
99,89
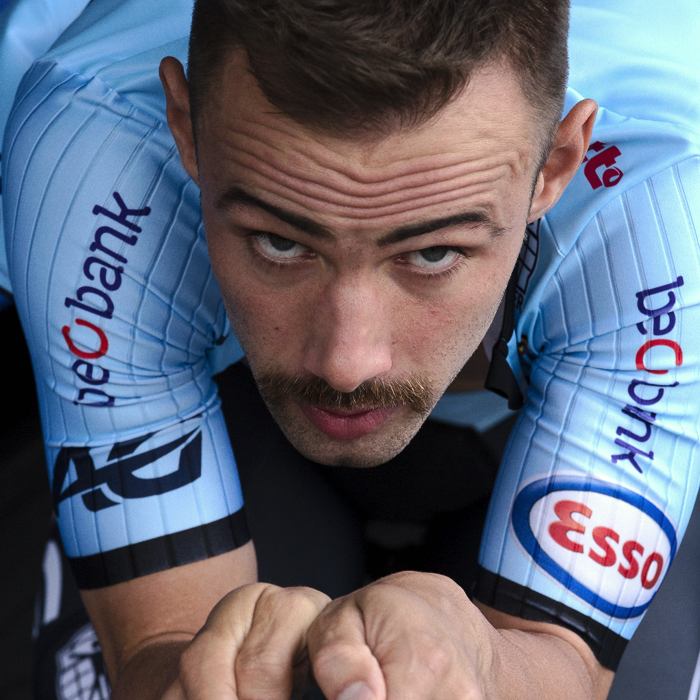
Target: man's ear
177,97
570,147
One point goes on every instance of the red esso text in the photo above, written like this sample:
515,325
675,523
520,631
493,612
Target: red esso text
612,547
628,556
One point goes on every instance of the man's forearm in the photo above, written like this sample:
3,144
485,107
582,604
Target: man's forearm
252,645
150,672
539,664
145,624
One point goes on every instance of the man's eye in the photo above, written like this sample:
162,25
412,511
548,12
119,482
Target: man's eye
278,247
435,258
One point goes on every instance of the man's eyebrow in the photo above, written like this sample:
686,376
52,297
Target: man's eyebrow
470,217
236,196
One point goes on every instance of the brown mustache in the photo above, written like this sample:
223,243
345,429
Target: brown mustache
415,392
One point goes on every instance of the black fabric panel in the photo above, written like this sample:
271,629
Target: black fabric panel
500,378
513,599
161,553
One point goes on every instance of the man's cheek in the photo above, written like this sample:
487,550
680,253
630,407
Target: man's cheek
450,340
433,332
267,329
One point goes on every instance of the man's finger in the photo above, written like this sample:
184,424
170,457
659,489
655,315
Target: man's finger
342,662
275,647
206,666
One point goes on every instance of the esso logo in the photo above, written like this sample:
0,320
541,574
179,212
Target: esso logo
606,544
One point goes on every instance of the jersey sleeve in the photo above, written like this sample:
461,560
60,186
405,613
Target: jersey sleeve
121,312
601,473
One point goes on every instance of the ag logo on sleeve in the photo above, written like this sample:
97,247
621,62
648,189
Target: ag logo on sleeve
149,465
605,543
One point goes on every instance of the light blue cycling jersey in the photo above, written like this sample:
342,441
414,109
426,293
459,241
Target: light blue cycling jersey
28,28
601,333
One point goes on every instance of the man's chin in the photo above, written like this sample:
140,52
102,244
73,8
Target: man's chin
360,453
339,448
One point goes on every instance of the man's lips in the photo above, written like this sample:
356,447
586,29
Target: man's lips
347,425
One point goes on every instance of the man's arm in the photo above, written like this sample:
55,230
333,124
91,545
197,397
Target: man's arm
120,323
144,624
198,631
547,656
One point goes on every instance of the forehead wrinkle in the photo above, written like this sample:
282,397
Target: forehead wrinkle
399,174
312,196
385,217
362,209
319,189
335,159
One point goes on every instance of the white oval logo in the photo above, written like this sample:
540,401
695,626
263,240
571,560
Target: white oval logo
607,544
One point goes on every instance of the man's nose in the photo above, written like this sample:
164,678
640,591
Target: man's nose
350,340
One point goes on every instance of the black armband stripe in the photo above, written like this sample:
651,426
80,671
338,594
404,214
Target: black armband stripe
513,599
161,553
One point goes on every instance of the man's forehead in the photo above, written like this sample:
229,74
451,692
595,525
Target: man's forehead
474,156
490,117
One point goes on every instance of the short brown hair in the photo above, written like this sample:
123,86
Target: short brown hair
345,66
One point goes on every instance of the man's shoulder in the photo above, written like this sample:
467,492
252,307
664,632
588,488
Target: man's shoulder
643,69
640,60
623,155
120,43
628,215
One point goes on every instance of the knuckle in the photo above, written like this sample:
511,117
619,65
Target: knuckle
330,655
293,601
250,591
290,596
420,579
466,691
237,600
314,597
437,661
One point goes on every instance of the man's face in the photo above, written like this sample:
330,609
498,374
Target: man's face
360,265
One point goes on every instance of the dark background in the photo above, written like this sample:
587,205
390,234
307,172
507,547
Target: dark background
25,506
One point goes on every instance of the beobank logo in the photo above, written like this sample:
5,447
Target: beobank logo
605,543
86,340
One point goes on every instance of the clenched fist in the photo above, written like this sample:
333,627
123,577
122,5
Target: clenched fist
409,636
252,647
